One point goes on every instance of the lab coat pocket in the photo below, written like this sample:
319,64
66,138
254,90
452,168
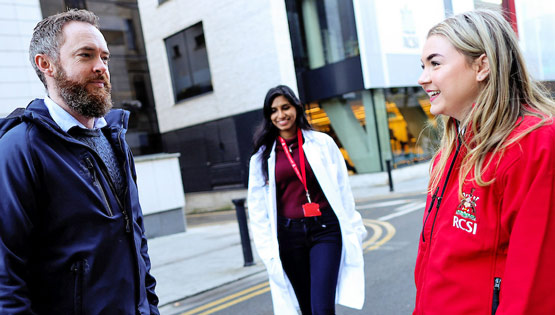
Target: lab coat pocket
353,250
275,272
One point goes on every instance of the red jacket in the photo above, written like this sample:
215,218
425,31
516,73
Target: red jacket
496,241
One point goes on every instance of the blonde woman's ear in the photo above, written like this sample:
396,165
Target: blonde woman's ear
481,64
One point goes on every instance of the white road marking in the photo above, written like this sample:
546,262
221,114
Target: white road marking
383,204
413,206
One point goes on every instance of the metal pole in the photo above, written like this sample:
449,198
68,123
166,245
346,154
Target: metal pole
388,165
244,231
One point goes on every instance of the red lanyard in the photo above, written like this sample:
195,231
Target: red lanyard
301,158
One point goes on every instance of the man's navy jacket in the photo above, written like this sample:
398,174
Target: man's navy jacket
68,245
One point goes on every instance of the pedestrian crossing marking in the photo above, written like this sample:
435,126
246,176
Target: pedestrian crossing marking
382,204
413,206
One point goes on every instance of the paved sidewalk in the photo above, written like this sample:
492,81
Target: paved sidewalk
206,257
198,260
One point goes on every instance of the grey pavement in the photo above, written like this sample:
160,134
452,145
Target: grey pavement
208,256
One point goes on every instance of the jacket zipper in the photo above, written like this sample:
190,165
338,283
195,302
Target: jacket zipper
496,280
496,289
104,172
440,198
79,269
428,214
123,211
97,183
112,187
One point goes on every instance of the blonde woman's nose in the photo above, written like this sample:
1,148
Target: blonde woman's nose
424,77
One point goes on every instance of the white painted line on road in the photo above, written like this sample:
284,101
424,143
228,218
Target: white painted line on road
415,206
409,206
383,204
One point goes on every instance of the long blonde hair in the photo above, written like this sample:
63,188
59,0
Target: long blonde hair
507,94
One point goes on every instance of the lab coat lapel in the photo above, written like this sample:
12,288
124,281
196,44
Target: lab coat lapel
272,203
313,155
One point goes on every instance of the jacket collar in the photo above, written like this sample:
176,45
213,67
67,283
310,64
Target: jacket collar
67,121
38,112
118,118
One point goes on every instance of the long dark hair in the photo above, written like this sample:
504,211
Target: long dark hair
266,133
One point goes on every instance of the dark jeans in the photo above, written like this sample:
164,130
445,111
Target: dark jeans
310,252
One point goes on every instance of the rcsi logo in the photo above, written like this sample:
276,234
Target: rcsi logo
465,216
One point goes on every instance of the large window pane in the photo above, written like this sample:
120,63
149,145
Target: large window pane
330,31
411,126
338,29
188,61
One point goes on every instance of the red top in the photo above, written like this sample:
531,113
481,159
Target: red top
290,191
505,230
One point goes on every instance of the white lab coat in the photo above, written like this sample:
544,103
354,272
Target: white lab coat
330,170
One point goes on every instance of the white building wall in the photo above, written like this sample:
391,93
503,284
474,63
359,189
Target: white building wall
18,82
536,30
249,51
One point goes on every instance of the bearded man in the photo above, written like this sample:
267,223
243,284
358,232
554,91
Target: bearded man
71,228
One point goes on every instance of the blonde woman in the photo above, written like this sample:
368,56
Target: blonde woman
488,239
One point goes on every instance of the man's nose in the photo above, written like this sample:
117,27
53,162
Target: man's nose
100,67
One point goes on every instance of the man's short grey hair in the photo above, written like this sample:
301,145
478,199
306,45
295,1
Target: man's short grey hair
47,35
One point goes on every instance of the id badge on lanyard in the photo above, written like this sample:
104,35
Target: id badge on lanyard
310,209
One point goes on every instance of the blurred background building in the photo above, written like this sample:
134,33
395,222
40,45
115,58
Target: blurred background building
121,26
354,64
19,83
194,73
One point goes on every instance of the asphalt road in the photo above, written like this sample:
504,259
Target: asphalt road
393,224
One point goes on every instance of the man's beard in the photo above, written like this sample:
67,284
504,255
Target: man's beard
93,104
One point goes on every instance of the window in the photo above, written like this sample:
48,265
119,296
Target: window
322,32
113,38
130,35
188,63
75,4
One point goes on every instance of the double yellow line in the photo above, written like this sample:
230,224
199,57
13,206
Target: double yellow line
230,300
374,242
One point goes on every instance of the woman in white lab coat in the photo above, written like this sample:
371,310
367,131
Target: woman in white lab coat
303,219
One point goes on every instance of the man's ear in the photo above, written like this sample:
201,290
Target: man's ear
45,65
481,65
